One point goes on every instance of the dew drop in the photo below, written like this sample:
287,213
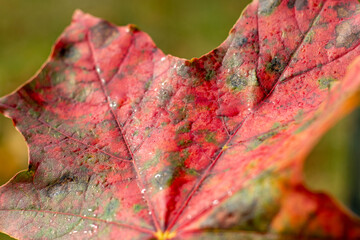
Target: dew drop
90,210
93,226
98,70
163,59
215,202
143,190
160,188
150,212
113,104
157,176
102,80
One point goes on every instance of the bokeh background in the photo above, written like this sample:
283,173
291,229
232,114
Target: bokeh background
185,28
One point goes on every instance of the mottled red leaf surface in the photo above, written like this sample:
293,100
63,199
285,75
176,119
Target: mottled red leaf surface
128,143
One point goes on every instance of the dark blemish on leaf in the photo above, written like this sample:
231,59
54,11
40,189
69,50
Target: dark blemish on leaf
148,84
266,7
63,185
236,82
209,75
301,4
250,209
230,219
291,4
164,95
189,98
275,66
184,128
66,51
32,167
241,41
329,45
103,34
183,71
343,10
347,33
179,115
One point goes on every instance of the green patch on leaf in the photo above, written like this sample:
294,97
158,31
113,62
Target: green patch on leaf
210,137
192,172
306,125
184,142
138,207
267,7
236,83
184,128
251,209
153,161
177,159
309,37
189,98
110,209
299,116
259,140
148,84
209,75
326,83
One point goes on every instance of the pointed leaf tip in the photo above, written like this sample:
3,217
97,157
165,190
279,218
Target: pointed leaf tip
78,14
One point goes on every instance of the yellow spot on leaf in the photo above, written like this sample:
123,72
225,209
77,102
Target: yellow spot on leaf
165,235
225,147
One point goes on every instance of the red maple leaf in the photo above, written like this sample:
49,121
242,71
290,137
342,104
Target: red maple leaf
126,142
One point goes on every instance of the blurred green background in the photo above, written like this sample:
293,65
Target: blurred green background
185,28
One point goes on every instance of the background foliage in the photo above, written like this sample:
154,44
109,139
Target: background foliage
184,28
